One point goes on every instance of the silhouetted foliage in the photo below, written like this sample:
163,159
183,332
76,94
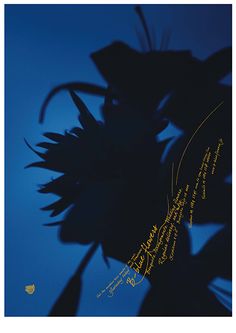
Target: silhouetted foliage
113,179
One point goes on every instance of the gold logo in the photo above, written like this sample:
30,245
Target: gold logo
30,289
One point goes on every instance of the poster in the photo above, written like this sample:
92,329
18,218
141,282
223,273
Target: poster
118,140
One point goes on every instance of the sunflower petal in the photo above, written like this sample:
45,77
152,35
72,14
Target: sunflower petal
54,136
86,118
35,151
37,164
45,145
53,224
57,207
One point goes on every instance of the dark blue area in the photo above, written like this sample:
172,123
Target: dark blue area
51,44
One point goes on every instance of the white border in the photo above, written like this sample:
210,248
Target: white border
106,324
121,2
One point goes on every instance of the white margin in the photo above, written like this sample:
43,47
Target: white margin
107,324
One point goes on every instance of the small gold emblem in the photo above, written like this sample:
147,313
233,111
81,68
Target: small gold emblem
30,289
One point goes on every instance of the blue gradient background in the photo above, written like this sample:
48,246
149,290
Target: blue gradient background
47,45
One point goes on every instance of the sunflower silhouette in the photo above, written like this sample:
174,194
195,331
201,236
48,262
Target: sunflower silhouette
114,182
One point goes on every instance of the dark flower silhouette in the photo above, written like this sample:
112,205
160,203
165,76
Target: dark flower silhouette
113,180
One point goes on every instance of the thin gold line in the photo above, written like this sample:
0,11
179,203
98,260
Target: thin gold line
143,274
168,205
177,174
